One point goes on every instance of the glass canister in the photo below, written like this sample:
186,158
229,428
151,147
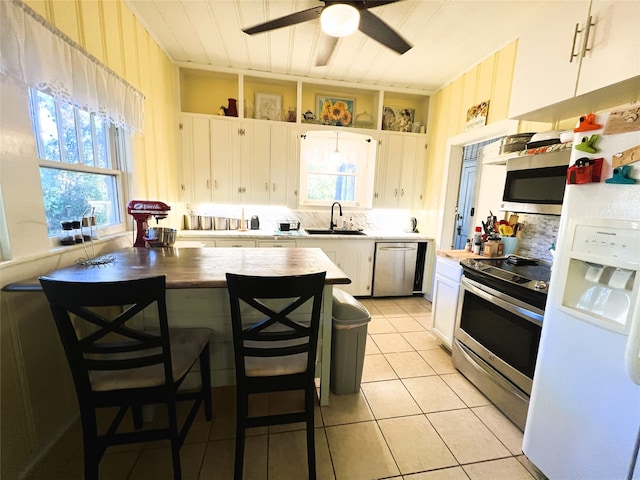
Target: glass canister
66,236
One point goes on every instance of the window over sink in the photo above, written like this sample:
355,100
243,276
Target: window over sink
337,166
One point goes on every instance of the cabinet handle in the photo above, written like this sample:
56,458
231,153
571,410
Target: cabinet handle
215,184
266,186
395,192
182,187
576,31
208,184
402,192
274,186
586,37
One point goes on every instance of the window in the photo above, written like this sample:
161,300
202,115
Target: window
79,163
337,166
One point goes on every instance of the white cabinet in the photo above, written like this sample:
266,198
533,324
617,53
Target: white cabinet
236,243
575,49
399,172
446,288
353,257
225,160
276,243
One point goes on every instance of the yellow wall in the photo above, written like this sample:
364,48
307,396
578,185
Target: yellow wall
36,393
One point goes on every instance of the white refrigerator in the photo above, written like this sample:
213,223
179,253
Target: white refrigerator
584,414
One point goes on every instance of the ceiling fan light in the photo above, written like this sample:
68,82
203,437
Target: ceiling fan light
339,20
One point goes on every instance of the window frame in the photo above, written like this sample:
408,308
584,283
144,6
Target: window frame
364,175
116,156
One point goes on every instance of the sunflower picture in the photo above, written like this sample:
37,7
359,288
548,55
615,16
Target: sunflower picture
335,111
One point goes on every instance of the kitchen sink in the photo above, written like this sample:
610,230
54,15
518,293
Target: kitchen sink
312,231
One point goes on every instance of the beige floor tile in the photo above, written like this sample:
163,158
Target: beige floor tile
409,364
406,324
377,368
391,342
466,390
467,437
156,463
288,456
359,452
453,473
415,445
417,309
501,427
219,459
531,468
421,340
370,347
432,394
346,409
425,320
504,469
380,325
391,309
389,399
439,359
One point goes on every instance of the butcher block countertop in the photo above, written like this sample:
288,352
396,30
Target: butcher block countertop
197,267
458,254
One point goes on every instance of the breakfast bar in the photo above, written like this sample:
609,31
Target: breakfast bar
197,294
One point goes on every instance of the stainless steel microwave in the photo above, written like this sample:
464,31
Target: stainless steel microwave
536,183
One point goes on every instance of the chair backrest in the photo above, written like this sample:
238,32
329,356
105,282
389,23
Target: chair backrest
279,317
101,330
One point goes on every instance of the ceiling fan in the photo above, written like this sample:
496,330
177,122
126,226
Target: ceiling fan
338,19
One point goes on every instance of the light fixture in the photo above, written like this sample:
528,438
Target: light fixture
335,156
339,20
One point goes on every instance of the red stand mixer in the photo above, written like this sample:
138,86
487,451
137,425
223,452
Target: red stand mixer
141,210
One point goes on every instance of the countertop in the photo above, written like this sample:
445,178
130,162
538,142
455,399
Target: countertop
301,234
458,254
197,267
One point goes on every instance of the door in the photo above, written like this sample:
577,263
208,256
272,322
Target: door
464,211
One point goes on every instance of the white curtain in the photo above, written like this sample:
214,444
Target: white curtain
37,54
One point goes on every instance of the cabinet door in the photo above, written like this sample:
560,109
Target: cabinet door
445,308
223,134
235,243
420,169
256,158
186,161
545,72
279,162
614,45
356,260
392,151
408,176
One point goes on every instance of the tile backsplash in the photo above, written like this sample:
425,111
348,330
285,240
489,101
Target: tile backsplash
538,233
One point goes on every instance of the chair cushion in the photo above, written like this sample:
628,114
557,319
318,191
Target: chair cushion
268,366
186,346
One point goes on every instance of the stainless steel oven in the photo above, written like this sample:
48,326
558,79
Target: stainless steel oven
498,328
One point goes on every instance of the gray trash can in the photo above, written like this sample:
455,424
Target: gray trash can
348,341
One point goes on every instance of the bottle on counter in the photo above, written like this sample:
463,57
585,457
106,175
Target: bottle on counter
476,248
477,236
467,247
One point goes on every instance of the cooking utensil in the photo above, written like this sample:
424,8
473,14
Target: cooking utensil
220,223
206,222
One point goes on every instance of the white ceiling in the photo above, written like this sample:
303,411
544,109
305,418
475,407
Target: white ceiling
448,37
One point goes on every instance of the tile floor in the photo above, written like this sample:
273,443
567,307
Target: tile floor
415,418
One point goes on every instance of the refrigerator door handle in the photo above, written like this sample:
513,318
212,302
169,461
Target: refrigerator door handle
632,350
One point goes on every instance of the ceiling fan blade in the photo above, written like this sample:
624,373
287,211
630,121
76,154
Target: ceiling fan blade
325,50
375,28
287,20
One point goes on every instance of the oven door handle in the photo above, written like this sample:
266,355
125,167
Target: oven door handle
470,285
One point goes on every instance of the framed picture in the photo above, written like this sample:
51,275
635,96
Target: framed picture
268,106
335,111
477,116
398,119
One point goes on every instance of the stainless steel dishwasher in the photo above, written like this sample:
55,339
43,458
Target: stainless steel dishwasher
394,269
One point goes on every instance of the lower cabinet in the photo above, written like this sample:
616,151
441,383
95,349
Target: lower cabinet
446,287
235,243
353,257
276,243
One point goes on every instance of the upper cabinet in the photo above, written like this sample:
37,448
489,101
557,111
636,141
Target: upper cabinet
581,56
285,100
399,171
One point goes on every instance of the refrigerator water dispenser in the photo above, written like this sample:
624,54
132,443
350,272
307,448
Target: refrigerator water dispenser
601,280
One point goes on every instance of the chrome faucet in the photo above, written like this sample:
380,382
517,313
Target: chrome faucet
331,224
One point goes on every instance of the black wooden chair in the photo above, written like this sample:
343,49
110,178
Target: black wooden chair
116,362
275,324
